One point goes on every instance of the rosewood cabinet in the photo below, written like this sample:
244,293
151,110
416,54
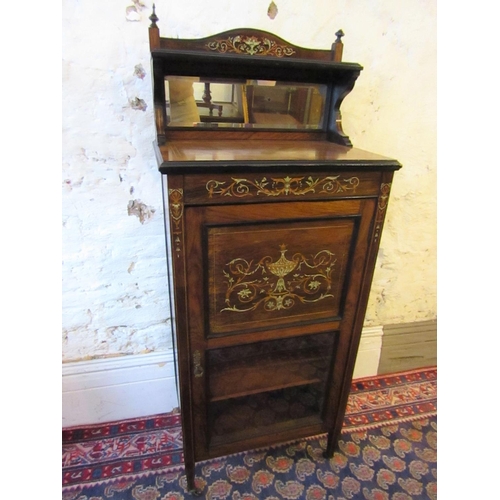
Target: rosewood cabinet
273,223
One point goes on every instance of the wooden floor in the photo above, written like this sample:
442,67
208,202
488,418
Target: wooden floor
408,346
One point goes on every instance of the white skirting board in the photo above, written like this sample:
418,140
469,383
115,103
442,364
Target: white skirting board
105,390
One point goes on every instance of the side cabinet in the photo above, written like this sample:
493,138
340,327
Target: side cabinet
271,277
273,223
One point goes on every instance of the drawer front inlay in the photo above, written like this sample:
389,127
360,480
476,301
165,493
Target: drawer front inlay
209,189
281,186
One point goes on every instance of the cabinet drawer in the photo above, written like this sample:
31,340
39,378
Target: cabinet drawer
266,187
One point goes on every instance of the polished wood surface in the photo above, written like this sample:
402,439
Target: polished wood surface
249,54
286,183
264,152
329,241
270,258
244,41
176,134
315,239
247,42
272,242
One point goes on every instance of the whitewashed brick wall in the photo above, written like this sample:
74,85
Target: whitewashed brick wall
114,286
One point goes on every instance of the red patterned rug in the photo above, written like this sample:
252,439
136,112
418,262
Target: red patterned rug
387,451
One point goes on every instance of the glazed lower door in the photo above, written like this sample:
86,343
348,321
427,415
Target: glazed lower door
267,387
270,317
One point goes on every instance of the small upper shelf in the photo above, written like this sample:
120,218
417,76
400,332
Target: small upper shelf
244,80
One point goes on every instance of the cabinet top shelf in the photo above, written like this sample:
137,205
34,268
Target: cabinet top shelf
202,155
264,83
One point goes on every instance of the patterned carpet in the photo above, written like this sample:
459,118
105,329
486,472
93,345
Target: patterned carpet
388,450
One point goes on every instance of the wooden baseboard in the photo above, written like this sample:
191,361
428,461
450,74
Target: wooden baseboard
407,346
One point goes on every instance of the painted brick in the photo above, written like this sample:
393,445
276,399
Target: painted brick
114,273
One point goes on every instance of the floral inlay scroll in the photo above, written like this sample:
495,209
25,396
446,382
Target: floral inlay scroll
385,189
284,186
198,369
250,45
278,284
175,199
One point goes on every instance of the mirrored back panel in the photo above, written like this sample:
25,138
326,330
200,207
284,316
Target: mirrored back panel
195,102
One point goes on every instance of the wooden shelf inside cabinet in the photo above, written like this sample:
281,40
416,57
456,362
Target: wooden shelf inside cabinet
286,409
271,365
271,376
273,224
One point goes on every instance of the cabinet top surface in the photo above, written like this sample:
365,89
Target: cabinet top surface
264,153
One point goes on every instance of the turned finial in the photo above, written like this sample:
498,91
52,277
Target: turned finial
153,18
154,32
338,47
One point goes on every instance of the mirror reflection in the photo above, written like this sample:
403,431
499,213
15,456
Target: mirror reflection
211,103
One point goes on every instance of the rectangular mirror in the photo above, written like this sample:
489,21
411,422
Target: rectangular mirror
248,104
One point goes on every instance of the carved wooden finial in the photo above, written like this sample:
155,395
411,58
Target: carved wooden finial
154,32
338,47
153,18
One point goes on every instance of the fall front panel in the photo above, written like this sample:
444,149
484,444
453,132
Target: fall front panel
279,273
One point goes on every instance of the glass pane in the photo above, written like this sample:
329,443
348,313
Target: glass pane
265,413
257,388
263,104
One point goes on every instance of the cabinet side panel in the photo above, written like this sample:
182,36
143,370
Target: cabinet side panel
174,210
170,283
376,226
349,336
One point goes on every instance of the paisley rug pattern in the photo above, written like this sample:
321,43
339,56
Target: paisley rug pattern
388,450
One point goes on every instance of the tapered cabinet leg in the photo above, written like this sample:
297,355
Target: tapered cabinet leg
190,478
332,445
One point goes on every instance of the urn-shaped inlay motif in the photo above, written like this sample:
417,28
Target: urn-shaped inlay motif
278,284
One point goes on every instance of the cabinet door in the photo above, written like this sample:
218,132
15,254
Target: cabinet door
272,293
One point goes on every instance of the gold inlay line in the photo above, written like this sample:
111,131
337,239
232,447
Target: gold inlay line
281,186
278,284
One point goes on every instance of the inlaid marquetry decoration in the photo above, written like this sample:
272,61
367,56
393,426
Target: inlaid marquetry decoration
250,45
385,189
198,369
176,204
283,186
278,283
